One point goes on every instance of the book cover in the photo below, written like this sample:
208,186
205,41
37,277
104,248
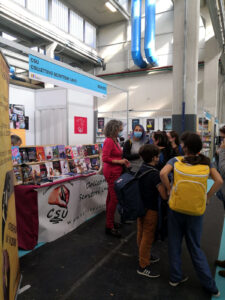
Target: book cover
55,152
27,174
72,167
83,165
16,158
18,174
64,167
24,155
75,151
36,174
79,165
62,151
56,168
87,163
40,153
69,152
48,153
95,163
43,171
49,167
80,150
31,152
96,148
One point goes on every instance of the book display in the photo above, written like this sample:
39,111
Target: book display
43,164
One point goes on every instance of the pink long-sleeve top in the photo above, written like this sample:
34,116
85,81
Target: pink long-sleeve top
111,151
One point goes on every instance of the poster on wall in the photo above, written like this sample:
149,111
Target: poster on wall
9,262
135,122
167,124
80,125
17,117
101,124
150,124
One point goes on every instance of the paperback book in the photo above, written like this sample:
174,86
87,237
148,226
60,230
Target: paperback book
61,151
31,152
69,152
64,167
36,174
40,153
56,168
95,163
24,155
18,174
27,174
48,153
55,152
72,167
49,167
16,158
87,163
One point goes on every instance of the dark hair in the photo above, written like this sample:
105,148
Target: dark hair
184,136
112,128
222,129
175,135
193,144
143,132
163,141
147,152
15,139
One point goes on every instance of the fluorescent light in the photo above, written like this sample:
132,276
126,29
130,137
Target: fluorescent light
110,7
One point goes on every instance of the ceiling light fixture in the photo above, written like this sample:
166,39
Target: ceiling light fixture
110,6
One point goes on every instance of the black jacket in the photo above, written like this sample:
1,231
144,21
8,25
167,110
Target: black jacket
127,151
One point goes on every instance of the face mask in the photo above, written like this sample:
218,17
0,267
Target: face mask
120,134
137,134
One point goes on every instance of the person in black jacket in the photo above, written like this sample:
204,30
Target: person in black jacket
132,146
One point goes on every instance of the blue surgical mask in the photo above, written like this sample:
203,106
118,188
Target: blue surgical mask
120,133
138,134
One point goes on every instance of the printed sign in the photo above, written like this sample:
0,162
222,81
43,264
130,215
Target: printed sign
80,125
46,71
63,207
9,262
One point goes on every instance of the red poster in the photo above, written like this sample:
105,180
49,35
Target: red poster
80,125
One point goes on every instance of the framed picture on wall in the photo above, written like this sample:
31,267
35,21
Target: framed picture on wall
17,116
167,124
150,124
101,124
135,122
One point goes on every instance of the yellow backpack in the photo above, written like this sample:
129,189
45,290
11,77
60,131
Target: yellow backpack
189,192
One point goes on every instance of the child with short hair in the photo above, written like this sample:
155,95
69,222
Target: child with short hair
150,188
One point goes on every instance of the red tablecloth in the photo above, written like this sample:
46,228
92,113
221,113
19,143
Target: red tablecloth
27,212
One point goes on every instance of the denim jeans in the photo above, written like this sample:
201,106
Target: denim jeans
189,227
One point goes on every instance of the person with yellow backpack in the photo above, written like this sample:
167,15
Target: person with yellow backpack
187,204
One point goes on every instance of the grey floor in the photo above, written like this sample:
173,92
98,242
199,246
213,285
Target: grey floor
86,264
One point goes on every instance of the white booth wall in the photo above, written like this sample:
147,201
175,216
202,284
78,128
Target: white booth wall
51,114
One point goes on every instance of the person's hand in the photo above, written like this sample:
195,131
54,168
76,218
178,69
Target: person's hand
126,163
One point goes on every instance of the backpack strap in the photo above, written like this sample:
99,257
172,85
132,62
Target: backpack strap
151,170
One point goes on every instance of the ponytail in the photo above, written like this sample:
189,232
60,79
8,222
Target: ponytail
199,159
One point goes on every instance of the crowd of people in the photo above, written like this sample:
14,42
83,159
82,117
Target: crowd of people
166,155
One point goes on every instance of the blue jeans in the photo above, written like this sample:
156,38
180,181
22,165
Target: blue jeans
189,227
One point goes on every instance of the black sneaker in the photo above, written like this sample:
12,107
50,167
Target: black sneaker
216,295
148,272
114,232
154,259
172,283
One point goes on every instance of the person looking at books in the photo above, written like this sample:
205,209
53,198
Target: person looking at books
132,146
112,169
16,140
175,143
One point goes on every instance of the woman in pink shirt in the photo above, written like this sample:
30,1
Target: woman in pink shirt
112,169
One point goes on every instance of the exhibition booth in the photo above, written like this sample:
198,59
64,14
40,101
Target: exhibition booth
49,120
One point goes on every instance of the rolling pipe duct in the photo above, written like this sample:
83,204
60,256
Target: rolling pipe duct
136,34
150,32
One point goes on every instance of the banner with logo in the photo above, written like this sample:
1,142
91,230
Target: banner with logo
63,207
9,261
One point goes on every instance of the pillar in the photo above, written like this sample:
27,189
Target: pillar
185,64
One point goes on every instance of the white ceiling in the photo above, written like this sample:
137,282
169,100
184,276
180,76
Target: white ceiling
95,11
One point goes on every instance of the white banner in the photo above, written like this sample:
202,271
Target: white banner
63,207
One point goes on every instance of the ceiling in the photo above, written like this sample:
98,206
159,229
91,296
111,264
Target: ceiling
95,11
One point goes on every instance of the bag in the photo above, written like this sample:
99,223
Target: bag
189,192
130,204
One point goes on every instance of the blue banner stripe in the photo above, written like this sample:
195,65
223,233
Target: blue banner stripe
54,71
